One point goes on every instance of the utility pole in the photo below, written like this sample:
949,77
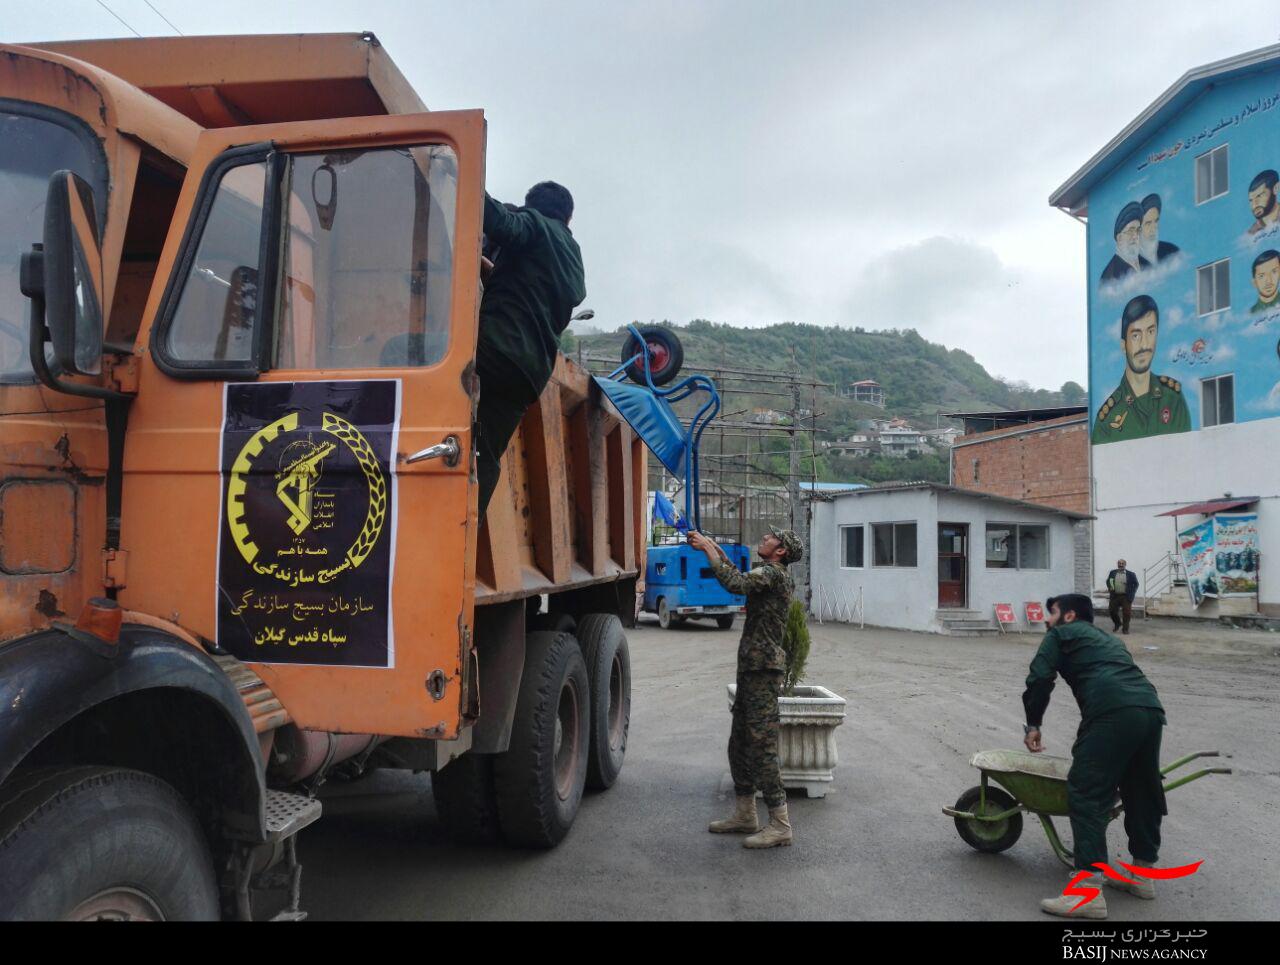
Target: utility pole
799,515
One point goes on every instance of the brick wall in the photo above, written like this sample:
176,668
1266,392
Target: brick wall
1047,462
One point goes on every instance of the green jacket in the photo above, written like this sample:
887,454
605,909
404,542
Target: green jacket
536,282
1162,410
768,591
1095,665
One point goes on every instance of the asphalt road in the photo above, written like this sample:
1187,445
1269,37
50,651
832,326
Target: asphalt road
878,846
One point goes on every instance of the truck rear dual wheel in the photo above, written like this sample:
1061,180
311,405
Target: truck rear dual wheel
540,778
604,647
101,844
725,622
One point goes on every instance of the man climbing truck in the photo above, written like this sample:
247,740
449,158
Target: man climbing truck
239,548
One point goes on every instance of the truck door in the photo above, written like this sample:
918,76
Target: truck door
316,331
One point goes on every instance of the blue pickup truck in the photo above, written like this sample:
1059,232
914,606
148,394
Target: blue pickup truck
679,585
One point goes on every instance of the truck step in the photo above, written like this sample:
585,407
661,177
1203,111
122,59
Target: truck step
289,813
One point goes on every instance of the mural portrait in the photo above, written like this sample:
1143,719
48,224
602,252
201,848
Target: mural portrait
1145,403
1262,201
1150,246
1128,238
1189,285
1266,279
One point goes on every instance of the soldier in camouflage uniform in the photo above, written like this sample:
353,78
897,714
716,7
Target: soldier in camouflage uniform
753,738
1145,404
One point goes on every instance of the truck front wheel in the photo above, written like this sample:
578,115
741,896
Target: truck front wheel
604,647
540,777
101,843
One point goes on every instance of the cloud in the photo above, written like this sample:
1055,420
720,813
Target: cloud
1141,282
1269,403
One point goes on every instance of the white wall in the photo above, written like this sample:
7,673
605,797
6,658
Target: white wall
892,596
908,597
1133,481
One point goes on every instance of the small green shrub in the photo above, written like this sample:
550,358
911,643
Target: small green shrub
795,643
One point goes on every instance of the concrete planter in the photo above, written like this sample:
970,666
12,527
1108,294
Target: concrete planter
807,738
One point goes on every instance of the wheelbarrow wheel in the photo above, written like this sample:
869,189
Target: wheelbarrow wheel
990,837
666,355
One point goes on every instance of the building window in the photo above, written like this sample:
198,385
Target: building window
1218,400
851,547
1211,175
1213,282
1014,546
894,544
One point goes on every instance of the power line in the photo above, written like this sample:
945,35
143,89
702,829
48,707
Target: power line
164,18
118,17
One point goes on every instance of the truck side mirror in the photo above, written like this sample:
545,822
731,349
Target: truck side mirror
73,287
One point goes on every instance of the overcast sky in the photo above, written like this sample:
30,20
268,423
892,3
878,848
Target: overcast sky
847,163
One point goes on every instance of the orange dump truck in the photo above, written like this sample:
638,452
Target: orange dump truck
239,545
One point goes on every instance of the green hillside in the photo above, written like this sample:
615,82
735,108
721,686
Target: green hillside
921,379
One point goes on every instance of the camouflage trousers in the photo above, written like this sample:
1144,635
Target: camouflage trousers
753,738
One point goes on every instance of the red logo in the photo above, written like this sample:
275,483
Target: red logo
1197,346
1165,415
1087,895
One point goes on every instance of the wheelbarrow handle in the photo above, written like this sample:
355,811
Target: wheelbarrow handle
1190,757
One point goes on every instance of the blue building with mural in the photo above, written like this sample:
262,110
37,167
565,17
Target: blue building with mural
1182,210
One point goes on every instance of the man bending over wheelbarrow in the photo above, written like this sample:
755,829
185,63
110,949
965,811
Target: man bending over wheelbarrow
1117,746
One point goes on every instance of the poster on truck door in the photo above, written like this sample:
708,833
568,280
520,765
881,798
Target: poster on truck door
1235,541
1195,546
305,542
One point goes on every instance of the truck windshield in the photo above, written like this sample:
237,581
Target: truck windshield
31,149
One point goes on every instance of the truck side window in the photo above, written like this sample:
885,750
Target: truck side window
368,259
213,319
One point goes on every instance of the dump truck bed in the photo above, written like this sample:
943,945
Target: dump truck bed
568,511
234,80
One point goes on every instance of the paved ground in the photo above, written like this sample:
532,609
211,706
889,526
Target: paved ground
877,847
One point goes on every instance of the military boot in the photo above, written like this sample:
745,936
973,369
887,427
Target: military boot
1062,905
1142,887
776,833
744,820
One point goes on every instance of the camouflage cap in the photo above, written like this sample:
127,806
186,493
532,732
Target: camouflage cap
794,547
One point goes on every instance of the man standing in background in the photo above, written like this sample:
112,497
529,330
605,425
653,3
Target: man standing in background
1122,588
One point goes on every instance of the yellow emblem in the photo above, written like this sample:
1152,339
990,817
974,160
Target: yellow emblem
1118,421
296,482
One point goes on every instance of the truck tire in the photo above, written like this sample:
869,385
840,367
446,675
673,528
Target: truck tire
465,800
554,622
540,777
666,619
101,843
725,622
604,648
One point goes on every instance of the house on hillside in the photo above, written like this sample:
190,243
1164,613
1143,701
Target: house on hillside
902,441
867,391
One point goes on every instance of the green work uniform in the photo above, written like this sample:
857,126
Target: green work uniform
536,282
1117,745
1162,410
753,736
